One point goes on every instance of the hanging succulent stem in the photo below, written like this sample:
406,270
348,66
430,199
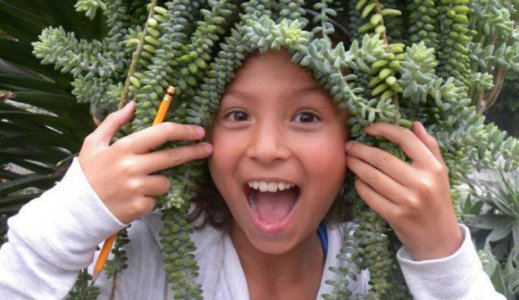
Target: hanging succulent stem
487,100
82,290
114,284
135,57
383,35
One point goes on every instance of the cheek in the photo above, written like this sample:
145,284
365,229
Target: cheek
218,160
223,161
219,165
221,146
326,163
327,152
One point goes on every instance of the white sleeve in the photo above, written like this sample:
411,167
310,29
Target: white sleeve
458,276
52,238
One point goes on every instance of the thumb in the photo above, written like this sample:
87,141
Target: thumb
113,122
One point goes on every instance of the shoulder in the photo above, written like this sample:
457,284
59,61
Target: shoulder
338,233
339,229
149,227
206,239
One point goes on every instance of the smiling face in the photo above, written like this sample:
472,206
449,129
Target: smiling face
278,152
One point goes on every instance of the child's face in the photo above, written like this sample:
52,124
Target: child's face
275,126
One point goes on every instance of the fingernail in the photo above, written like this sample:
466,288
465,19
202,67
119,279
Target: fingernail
128,106
349,145
200,131
208,147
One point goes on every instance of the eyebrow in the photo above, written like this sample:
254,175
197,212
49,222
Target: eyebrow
299,92
309,90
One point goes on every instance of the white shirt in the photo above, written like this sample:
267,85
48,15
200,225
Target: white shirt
56,235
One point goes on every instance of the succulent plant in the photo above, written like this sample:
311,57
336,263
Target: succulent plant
431,61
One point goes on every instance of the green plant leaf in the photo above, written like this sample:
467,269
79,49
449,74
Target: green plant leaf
55,140
493,270
57,123
16,83
35,180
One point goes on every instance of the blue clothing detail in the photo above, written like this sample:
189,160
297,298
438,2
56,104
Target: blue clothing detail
323,236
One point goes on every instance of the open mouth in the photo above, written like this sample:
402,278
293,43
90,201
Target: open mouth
271,202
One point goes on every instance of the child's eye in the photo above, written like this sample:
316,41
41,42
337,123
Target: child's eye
306,117
237,116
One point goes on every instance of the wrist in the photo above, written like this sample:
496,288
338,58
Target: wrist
443,245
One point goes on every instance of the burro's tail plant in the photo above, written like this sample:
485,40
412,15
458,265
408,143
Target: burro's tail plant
383,60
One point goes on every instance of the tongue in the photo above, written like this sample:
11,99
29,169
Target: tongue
273,207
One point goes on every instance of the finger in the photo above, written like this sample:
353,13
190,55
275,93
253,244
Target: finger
145,140
382,160
139,207
405,138
113,122
378,181
168,158
385,208
429,141
155,185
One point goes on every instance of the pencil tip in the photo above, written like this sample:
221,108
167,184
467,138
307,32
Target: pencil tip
95,276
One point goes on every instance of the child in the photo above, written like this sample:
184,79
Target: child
278,154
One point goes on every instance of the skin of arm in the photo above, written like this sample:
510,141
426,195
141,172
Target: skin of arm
414,198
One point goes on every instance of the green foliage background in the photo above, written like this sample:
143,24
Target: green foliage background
41,124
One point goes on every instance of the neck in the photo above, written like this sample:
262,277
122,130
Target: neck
275,272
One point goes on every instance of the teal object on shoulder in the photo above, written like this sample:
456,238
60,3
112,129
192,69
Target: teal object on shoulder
323,236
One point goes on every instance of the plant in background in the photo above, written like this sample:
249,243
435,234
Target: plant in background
429,61
41,124
491,209
505,111
494,48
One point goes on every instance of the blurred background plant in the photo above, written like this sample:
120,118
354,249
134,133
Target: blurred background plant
505,111
491,210
41,124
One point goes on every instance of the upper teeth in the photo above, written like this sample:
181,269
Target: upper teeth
272,187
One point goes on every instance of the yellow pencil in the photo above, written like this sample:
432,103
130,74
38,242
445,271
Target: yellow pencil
159,118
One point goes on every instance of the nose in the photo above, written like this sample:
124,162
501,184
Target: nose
268,143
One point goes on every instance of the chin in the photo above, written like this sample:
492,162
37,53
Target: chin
276,244
273,247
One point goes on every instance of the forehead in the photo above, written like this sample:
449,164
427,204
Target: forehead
272,70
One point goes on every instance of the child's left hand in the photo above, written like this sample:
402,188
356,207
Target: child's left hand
413,198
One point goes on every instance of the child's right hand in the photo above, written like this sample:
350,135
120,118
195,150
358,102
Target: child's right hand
122,173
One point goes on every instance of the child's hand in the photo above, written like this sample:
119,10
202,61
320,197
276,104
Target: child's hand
413,198
121,173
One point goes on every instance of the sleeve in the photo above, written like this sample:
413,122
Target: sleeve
52,238
458,276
